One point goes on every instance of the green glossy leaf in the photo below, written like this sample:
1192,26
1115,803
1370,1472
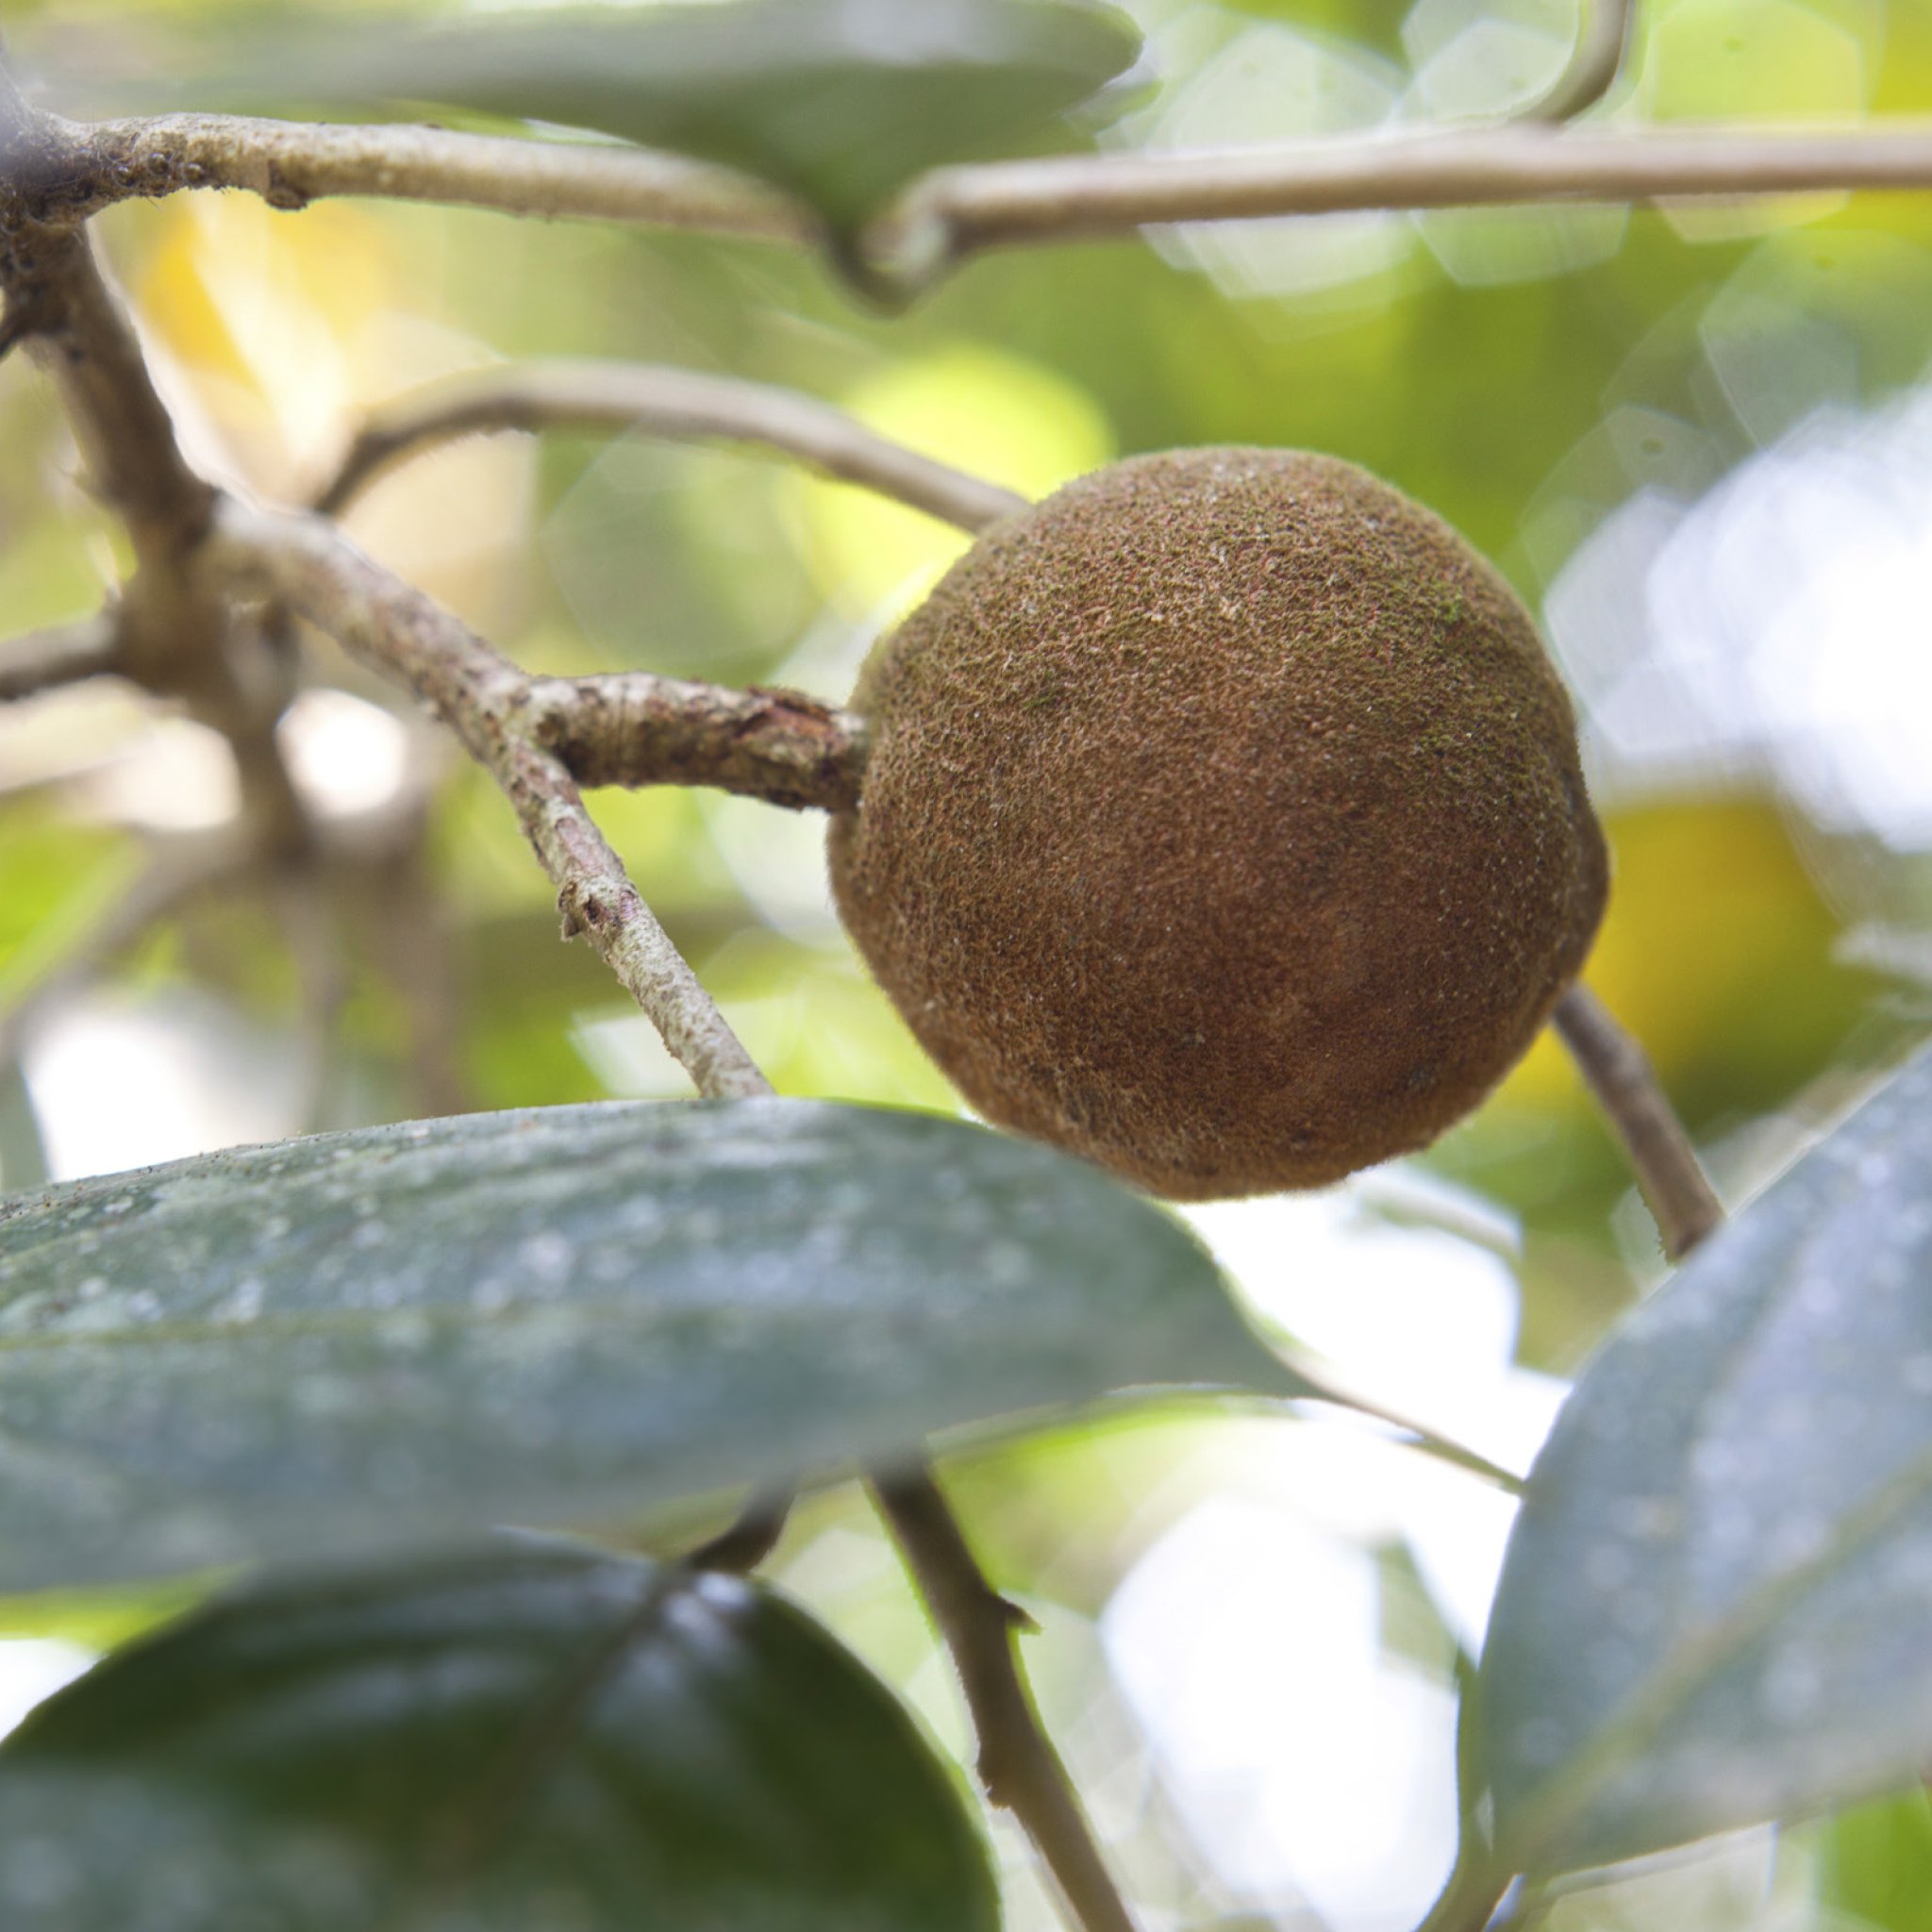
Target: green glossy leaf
1717,1606
840,100
554,1316
516,1739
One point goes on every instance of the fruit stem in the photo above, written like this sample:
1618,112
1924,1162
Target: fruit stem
1675,1186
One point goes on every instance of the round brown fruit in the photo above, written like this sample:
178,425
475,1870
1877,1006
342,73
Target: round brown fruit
1222,823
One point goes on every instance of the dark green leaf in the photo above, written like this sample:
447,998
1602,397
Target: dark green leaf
839,100
530,1737
1717,1605
553,1315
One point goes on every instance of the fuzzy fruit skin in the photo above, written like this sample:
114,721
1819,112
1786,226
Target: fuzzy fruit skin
1223,824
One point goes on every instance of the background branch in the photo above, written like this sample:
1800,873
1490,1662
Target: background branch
63,653
1018,1765
176,637
665,402
1602,44
305,565
72,170
82,167
1673,1184
183,633
80,336
958,211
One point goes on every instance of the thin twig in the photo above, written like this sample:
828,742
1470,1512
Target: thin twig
1018,1765
633,728
1602,44
61,655
176,637
304,564
1673,1185
82,167
81,338
1326,1383
749,1541
665,402
77,169
958,211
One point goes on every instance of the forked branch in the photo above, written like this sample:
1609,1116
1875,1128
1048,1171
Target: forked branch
69,171
172,635
680,403
305,566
